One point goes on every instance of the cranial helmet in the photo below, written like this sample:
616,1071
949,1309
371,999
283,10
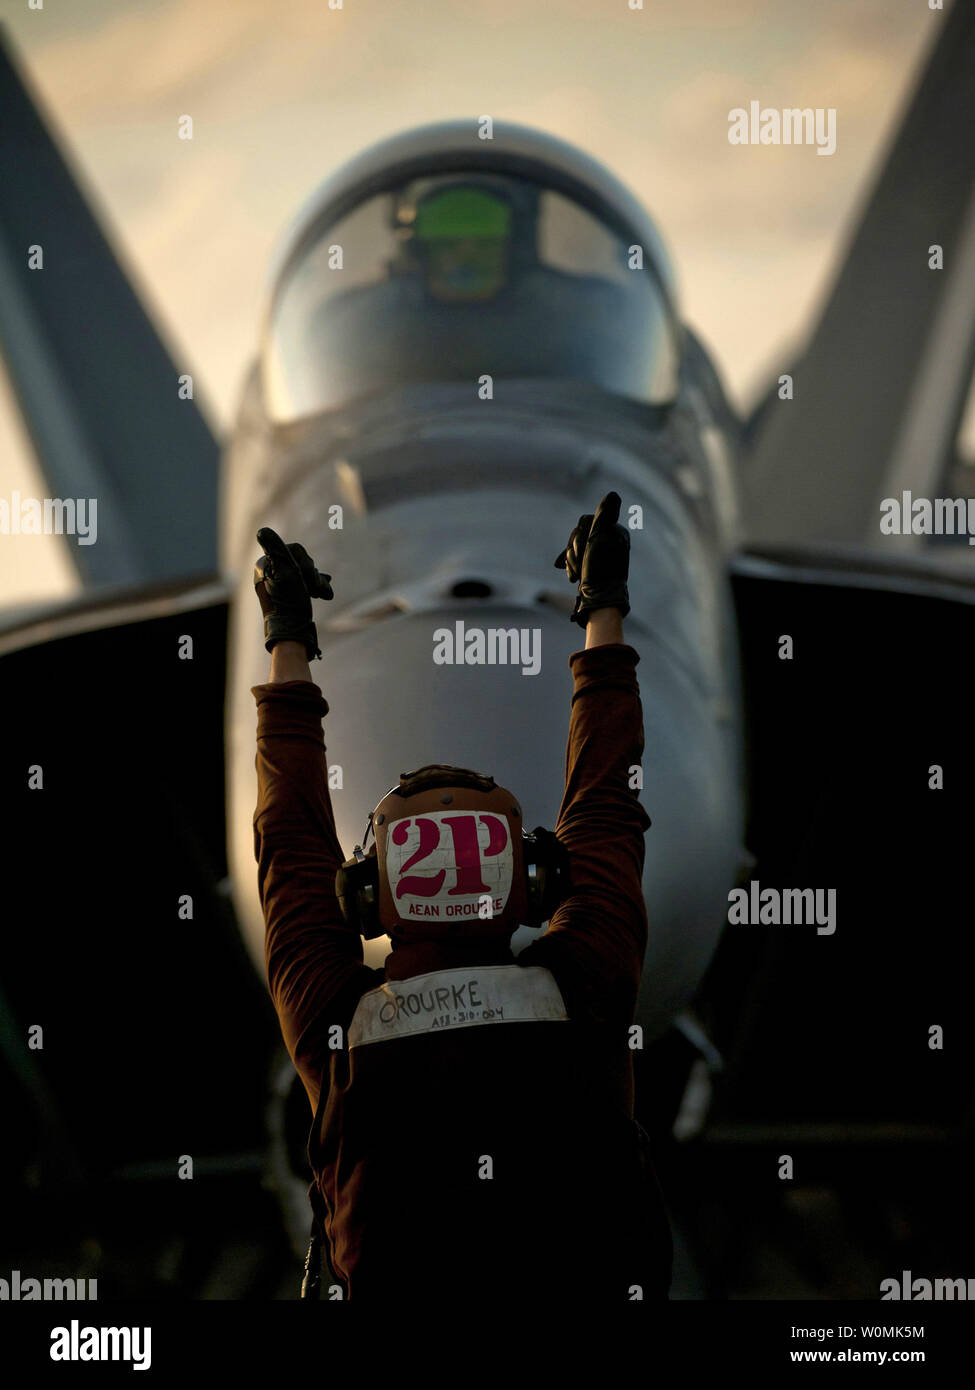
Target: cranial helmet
451,860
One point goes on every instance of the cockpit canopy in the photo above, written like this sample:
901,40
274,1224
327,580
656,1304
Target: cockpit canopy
457,276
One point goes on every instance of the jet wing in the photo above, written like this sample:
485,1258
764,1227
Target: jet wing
841,1044
103,397
859,745
119,937
860,765
881,384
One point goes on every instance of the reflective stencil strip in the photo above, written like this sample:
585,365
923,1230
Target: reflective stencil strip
464,998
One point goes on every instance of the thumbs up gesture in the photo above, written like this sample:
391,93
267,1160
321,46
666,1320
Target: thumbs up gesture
597,558
286,581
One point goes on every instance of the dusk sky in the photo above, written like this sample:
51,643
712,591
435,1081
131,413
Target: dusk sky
280,93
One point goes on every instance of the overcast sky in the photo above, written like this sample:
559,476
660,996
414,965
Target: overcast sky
282,90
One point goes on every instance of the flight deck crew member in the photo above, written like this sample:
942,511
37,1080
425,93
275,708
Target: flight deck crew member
473,1134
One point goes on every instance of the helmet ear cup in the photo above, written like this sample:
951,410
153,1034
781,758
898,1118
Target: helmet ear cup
357,889
547,882
547,874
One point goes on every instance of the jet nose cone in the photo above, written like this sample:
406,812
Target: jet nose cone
482,687
478,686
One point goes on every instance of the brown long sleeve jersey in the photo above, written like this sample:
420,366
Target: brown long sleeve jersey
495,1161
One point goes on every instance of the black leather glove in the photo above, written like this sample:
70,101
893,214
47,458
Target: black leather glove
597,558
286,581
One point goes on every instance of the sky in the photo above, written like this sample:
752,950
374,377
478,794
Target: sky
280,93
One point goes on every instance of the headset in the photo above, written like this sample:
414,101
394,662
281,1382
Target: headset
546,861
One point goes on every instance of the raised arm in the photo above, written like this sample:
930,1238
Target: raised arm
597,938
314,960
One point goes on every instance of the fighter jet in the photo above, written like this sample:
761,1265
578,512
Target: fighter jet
465,339
471,333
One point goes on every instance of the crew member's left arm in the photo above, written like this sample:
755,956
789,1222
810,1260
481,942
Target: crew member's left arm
314,962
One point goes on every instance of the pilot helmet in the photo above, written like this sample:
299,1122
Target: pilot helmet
468,237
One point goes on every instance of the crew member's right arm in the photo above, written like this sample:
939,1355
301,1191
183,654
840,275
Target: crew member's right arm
314,959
